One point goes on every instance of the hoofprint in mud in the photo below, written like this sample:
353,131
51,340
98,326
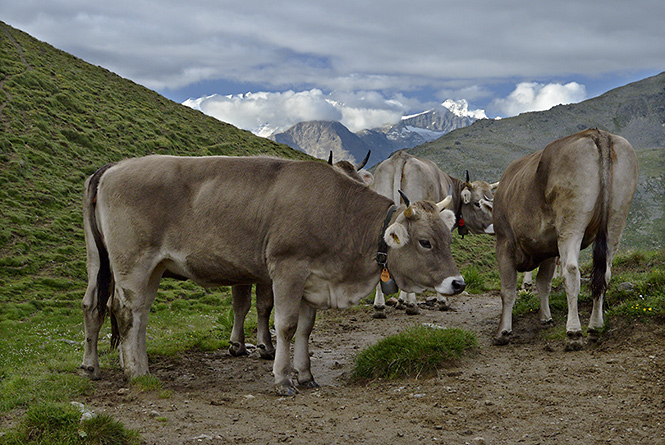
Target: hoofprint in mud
302,225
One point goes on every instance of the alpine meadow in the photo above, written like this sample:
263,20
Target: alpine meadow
435,376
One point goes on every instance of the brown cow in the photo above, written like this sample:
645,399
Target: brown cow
307,228
422,179
553,203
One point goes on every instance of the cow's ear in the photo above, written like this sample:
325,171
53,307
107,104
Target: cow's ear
396,236
367,177
448,217
466,195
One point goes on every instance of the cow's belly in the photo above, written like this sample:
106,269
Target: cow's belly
324,294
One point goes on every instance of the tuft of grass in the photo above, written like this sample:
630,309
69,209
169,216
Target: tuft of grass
418,351
147,383
57,423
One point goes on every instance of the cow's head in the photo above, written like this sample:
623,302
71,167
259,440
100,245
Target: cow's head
475,211
356,172
420,255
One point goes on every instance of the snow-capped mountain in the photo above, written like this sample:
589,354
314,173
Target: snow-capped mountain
317,138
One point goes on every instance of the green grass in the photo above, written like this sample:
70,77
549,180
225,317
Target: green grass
61,424
417,352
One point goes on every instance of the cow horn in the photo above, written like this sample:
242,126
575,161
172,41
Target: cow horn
330,158
445,203
363,162
468,181
409,213
494,186
406,200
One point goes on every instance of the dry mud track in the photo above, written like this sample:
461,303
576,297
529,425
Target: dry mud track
528,392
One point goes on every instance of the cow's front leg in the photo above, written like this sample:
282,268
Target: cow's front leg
241,297
301,359
264,305
412,304
379,303
288,292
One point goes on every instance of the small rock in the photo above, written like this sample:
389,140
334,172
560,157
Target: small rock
123,391
626,287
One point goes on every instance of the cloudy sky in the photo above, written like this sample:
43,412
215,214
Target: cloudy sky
269,64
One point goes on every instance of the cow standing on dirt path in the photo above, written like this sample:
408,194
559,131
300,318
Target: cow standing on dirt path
554,202
421,179
307,228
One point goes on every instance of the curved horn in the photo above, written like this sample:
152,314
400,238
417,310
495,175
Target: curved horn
445,203
406,200
363,162
494,186
330,158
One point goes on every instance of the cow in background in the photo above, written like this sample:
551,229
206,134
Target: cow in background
241,294
554,202
421,179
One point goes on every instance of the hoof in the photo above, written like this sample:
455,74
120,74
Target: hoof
412,309
548,322
400,305
265,353
575,341
237,349
593,335
379,313
91,372
308,385
444,306
503,338
286,390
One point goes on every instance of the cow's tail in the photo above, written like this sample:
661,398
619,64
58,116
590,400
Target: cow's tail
397,179
603,143
105,284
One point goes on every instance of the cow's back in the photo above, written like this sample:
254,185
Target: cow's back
219,220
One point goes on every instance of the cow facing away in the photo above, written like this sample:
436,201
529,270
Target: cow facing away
421,179
241,294
553,203
303,226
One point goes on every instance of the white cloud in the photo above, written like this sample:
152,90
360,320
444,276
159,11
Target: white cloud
532,96
264,113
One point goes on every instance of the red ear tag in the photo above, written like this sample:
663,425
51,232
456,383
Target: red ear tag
385,275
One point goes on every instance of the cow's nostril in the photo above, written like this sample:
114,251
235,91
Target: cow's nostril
458,286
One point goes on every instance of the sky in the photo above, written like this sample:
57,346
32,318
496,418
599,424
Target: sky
264,65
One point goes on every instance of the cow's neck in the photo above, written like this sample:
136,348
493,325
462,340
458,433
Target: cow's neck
456,205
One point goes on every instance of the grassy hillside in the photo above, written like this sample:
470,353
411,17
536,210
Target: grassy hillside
61,119
635,111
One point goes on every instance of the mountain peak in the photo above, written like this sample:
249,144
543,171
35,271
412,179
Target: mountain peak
461,108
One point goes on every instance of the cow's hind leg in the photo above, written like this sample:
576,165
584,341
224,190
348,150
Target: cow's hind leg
131,305
241,297
508,294
570,270
264,304
92,321
301,359
544,286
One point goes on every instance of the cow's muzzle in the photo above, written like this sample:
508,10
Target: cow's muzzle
451,285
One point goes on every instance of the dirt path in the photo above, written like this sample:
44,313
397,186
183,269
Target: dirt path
529,392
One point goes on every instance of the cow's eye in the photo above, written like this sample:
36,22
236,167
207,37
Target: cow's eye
425,243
